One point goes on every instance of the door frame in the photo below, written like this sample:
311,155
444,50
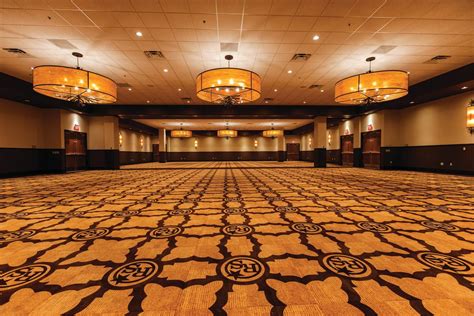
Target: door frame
363,137
341,142
84,156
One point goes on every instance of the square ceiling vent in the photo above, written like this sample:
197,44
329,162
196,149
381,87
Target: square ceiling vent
17,52
384,49
229,47
437,59
154,54
61,43
300,57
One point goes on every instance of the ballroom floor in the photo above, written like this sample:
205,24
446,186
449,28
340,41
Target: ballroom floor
243,241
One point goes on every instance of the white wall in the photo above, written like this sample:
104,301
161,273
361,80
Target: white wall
216,144
439,122
332,138
25,126
131,141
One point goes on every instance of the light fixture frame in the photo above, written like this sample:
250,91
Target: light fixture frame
208,87
360,96
70,90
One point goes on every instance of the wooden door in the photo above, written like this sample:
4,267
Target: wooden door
156,152
347,150
371,149
76,150
293,151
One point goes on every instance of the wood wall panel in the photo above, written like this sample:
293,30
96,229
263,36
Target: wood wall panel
333,156
438,158
223,156
133,157
22,161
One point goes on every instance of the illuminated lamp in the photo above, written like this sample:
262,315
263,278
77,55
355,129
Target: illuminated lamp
74,84
372,86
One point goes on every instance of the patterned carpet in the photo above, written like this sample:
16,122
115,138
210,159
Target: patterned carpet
222,165
237,241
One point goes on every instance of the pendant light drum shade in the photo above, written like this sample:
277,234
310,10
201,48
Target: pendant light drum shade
372,87
217,85
227,133
74,84
273,133
181,133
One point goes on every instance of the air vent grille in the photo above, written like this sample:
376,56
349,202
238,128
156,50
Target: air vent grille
300,57
16,51
437,59
315,86
154,54
123,85
383,49
229,47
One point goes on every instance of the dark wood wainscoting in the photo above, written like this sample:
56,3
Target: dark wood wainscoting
103,159
333,156
293,151
23,161
132,157
223,156
307,155
458,159
347,150
371,149
156,152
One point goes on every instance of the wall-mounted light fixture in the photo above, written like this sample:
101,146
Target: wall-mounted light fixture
329,139
310,143
142,142
120,139
255,143
195,143
470,117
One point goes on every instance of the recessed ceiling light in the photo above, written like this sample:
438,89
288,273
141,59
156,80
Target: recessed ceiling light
315,37
129,89
147,101
165,70
139,34
188,101
32,68
266,101
290,71
411,102
322,90
408,72
464,88
304,102
276,90
179,89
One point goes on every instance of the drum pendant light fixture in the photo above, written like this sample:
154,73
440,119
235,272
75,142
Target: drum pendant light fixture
181,133
227,133
228,86
372,86
273,132
74,84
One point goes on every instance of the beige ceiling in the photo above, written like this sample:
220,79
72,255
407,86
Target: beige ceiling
215,124
269,32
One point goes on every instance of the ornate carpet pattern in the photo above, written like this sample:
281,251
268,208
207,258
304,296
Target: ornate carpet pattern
237,241
222,165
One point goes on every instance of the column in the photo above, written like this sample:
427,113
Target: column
281,148
162,141
357,142
103,143
319,142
